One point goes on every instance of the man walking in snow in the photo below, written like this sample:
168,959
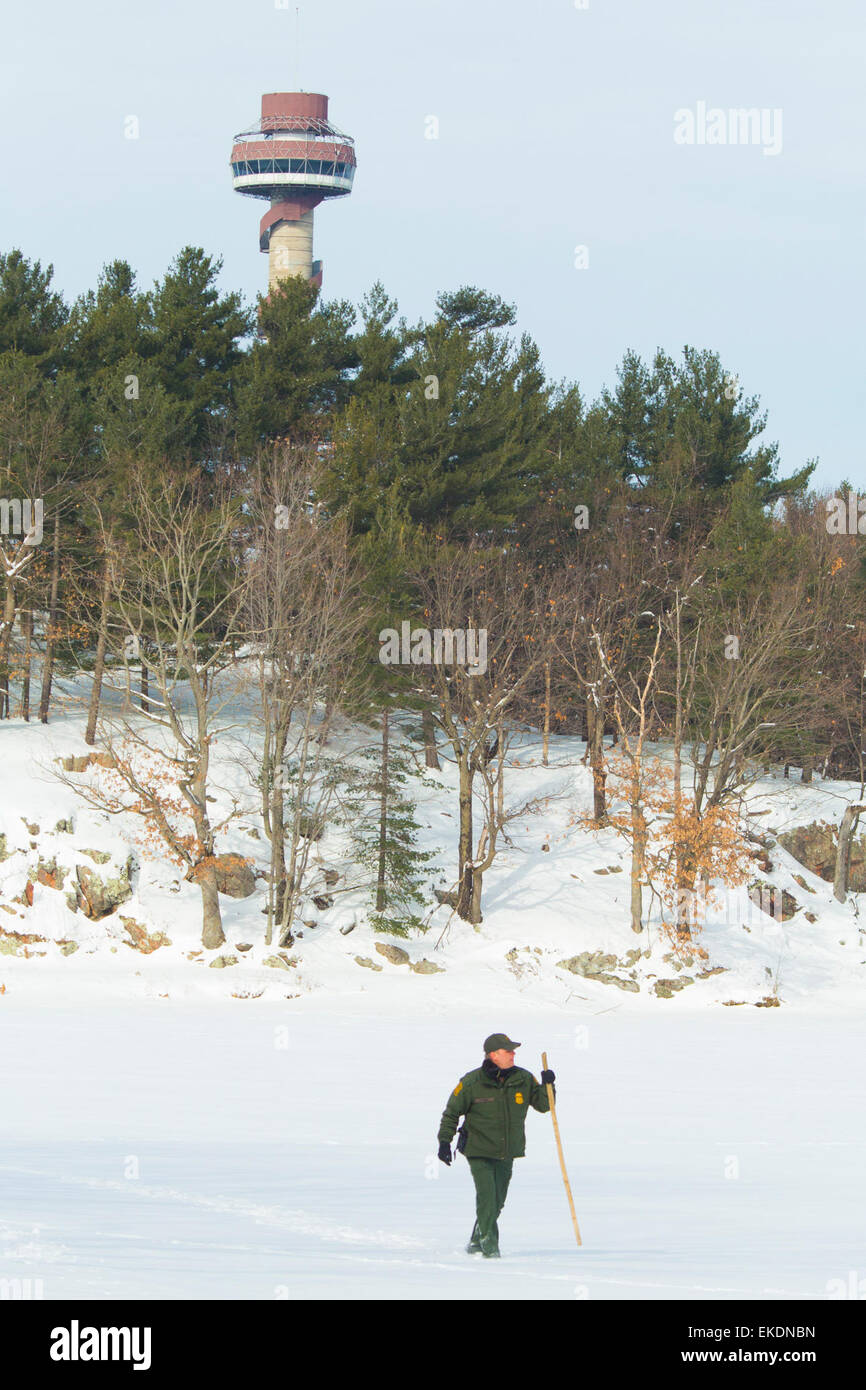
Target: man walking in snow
494,1100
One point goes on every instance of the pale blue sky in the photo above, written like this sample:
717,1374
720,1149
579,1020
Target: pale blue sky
555,130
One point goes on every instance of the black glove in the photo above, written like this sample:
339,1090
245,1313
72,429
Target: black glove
445,1153
548,1078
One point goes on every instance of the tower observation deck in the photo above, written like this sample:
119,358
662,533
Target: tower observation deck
295,159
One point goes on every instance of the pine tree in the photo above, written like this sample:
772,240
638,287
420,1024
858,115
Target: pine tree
381,811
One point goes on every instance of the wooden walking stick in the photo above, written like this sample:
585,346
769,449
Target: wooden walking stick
559,1151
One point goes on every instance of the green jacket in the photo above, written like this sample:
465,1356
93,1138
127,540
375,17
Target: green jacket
495,1106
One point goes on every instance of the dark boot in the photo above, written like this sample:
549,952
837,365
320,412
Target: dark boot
474,1246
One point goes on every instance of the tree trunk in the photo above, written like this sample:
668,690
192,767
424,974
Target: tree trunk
431,757
500,777
383,818
595,733
212,934
808,765
638,855
465,895
843,851
48,660
27,624
144,686
9,607
545,738
99,665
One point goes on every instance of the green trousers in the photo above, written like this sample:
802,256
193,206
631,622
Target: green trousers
491,1177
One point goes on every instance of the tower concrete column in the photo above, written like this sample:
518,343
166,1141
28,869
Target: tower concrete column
290,250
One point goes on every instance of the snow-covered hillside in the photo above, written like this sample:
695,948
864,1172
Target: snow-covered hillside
558,891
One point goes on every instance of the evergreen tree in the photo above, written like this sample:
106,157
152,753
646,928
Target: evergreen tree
384,827
32,315
298,369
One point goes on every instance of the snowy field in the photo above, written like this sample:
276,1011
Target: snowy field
267,1129
289,1151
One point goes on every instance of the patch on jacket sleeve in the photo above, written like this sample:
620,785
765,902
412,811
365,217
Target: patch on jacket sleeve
457,1089
518,1097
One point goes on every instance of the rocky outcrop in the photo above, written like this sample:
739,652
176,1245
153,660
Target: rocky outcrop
665,989
815,847
100,895
395,954
368,963
141,939
595,965
235,876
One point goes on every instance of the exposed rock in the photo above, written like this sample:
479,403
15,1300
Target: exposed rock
395,954
276,962
665,988
47,873
765,896
32,827
815,847
595,965
243,945
234,875
98,897
5,853
769,1001
711,970
331,876
222,961
13,943
141,939
68,948
64,827
99,856
84,761
322,903
369,964
446,899
798,878
588,963
426,967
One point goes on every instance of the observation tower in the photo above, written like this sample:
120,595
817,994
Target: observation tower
294,159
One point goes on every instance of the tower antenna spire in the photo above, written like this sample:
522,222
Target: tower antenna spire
298,47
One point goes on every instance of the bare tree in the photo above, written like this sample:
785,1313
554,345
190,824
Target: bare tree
178,591
306,614
478,602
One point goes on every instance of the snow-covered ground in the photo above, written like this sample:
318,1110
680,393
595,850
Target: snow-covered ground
257,1131
256,1150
